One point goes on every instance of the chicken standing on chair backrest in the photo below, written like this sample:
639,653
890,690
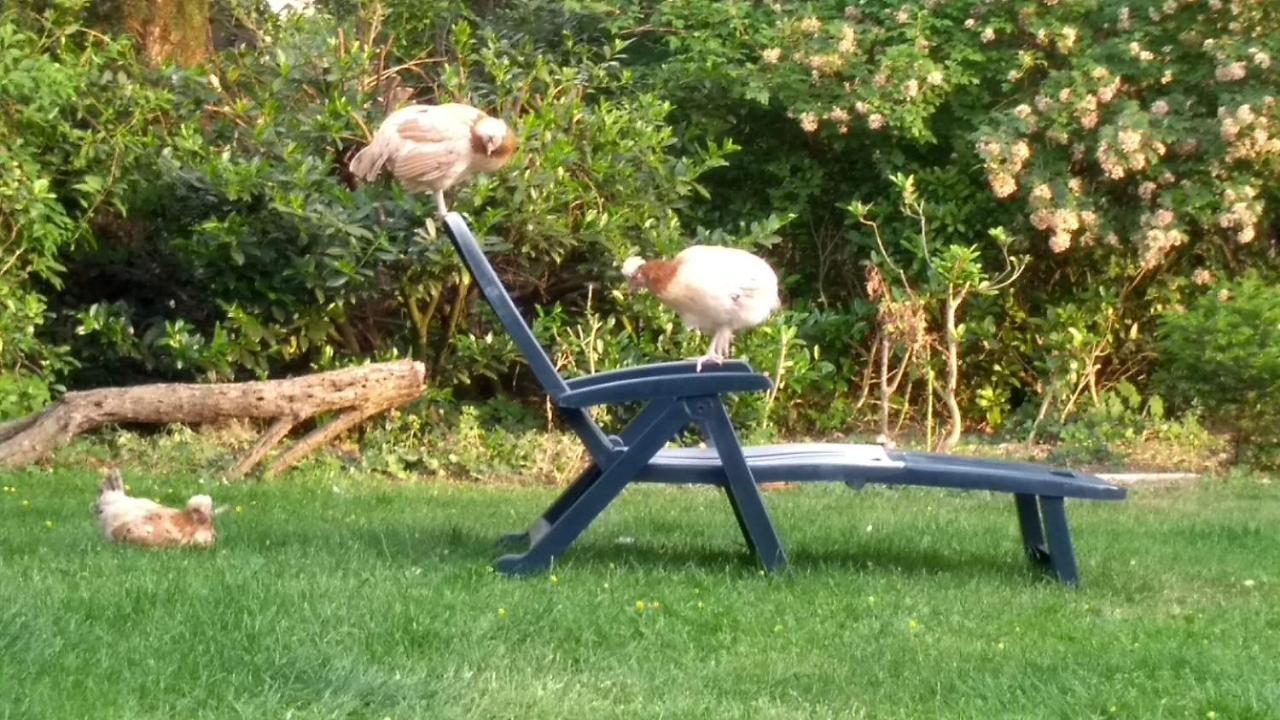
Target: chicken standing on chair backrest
138,521
715,290
434,147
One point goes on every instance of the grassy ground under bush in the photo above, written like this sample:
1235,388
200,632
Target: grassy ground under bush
338,595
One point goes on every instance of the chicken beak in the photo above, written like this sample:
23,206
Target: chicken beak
636,283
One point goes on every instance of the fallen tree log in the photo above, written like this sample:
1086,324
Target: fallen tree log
361,392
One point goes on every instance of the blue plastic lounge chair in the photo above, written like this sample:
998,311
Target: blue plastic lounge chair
675,397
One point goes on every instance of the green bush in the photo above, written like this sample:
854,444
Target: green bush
1125,148
75,130
1222,354
247,255
196,223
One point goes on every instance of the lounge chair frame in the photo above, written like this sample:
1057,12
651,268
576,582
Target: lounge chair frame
675,397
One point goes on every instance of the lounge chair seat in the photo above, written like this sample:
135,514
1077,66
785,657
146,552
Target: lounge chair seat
857,465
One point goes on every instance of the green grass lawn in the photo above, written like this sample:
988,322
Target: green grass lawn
337,595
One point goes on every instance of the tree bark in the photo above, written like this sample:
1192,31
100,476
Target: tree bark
176,31
956,421
885,391
361,392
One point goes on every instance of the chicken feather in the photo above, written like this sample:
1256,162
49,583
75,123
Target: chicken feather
432,148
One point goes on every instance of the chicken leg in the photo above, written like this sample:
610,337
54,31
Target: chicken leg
719,349
440,203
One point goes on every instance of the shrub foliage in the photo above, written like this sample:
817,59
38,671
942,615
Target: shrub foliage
198,223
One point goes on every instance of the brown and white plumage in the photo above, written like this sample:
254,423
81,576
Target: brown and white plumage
138,521
431,148
717,291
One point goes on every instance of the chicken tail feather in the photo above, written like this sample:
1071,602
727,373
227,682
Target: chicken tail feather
367,164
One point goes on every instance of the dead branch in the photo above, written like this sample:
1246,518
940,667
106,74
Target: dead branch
361,392
269,439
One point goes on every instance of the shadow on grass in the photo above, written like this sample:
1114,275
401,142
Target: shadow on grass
877,561
469,546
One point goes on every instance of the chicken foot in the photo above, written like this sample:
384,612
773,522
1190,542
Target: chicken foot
719,350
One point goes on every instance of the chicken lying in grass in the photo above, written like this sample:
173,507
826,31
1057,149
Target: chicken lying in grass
431,148
717,291
138,521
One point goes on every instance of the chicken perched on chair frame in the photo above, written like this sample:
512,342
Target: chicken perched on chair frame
716,290
138,521
431,148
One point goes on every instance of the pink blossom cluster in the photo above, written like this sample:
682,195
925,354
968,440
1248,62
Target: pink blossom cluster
1064,224
1003,162
1243,210
1160,236
1250,135
1130,150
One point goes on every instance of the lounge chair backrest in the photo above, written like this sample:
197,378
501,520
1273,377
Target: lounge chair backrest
487,280
579,420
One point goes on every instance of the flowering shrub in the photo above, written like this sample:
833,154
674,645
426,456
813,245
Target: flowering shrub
1130,149
1080,128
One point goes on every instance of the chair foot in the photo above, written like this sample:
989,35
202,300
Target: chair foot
1062,552
523,564
1041,516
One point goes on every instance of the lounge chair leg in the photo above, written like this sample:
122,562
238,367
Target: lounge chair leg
1032,530
642,422
593,498
1062,553
554,511
744,494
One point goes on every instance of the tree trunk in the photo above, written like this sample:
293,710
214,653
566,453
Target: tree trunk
885,391
361,392
176,31
953,374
